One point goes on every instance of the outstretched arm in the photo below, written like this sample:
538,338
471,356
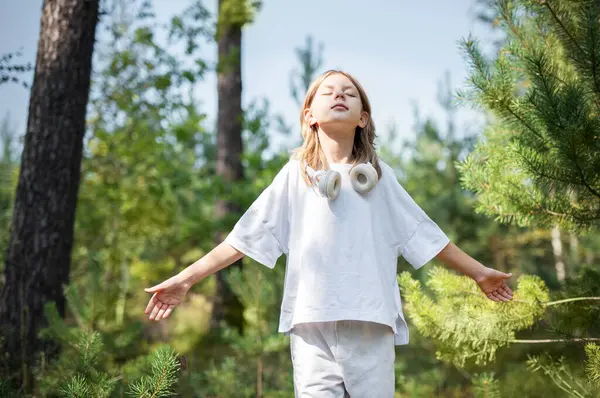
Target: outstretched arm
220,257
170,293
490,281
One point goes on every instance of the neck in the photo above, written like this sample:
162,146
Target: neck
337,146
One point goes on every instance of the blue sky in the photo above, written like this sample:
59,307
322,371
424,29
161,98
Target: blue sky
398,50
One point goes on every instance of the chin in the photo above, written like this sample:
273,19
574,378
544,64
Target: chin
339,122
339,129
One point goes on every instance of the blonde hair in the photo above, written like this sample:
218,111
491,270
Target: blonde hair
310,152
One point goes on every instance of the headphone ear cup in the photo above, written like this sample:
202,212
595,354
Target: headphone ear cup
363,177
330,184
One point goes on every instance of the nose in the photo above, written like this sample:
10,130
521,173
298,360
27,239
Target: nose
339,94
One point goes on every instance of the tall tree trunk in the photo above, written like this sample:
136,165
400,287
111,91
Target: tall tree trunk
557,249
229,148
574,251
41,239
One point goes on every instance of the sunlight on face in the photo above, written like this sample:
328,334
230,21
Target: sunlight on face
337,105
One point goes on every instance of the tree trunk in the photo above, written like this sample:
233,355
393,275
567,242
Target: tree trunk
558,254
229,150
39,250
574,250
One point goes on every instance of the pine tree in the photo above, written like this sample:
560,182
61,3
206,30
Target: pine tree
468,329
163,376
81,369
485,385
540,160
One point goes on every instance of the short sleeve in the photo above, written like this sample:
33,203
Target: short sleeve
415,236
262,231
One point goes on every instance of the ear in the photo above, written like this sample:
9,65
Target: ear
309,118
364,118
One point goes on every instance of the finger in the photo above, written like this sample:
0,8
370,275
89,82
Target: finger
508,290
168,311
498,296
491,297
151,303
504,293
155,311
161,312
155,288
506,276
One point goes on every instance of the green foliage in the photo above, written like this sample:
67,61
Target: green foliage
163,376
592,366
80,369
6,390
236,13
260,354
486,385
573,383
140,207
226,380
538,165
468,329
9,71
465,325
8,181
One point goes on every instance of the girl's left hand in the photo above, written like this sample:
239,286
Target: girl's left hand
491,282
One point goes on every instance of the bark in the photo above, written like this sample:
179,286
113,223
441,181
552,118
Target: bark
226,306
41,238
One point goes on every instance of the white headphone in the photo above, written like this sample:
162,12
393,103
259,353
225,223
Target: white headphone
362,176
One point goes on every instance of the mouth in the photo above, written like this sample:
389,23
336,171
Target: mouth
339,106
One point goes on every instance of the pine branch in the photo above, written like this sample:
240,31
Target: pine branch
540,88
162,379
570,300
486,386
562,25
77,387
592,365
541,341
559,373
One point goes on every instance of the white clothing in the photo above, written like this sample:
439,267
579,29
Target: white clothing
341,254
343,359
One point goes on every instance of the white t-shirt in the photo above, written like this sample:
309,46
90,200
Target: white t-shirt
341,254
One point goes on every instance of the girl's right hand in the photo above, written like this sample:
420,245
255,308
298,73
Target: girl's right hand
167,295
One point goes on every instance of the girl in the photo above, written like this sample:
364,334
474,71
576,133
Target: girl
342,219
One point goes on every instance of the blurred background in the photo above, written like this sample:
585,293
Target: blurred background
178,114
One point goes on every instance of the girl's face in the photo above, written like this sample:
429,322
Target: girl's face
337,106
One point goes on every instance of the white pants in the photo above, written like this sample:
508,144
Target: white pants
343,359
